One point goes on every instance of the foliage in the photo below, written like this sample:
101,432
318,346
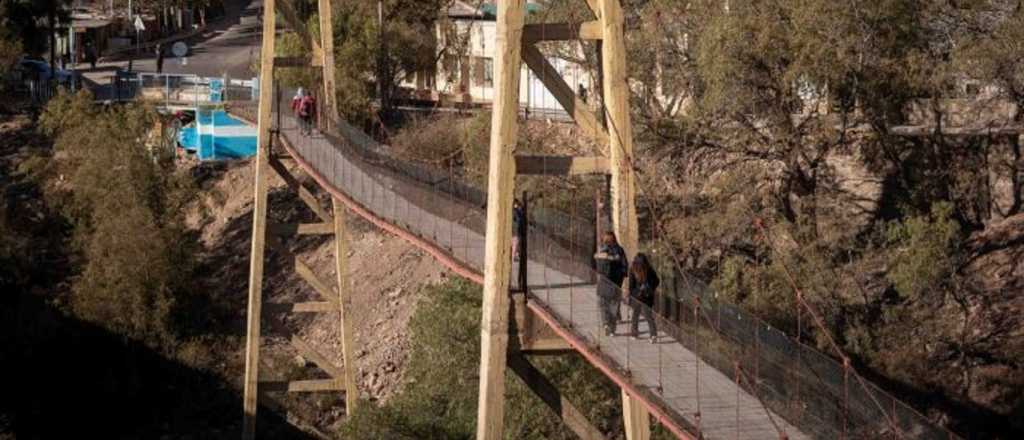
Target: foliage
439,397
10,48
997,56
126,205
447,140
923,257
27,20
359,56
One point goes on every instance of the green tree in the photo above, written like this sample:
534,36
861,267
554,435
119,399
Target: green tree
439,396
126,204
366,52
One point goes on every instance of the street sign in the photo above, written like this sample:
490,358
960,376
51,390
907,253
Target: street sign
179,49
139,25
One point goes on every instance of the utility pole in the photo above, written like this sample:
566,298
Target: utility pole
131,22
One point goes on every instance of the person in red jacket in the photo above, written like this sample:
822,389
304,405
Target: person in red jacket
307,112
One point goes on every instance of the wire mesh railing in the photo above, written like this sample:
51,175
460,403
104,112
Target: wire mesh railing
181,89
716,370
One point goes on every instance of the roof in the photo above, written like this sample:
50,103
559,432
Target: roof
491,10
486,11
86,19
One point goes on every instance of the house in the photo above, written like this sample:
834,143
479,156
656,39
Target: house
469,80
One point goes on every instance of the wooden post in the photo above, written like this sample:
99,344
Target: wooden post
344,300
524,236
620,150
494,324
259,224
327,43
620,132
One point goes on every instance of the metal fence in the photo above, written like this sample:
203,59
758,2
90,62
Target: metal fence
177,89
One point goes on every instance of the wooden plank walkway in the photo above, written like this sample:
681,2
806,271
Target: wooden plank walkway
685,384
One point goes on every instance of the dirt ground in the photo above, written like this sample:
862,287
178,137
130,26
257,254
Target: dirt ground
387,275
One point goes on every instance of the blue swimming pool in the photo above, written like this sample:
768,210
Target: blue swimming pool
215,135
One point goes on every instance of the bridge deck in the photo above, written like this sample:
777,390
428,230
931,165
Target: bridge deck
678,380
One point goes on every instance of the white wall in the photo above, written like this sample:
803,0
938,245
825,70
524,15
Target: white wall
532,92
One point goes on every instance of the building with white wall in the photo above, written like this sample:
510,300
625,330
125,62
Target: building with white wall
470,79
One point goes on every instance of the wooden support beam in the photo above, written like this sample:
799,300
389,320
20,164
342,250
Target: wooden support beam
548,392
301,386
304,194
290,229
636,417
306,273
561,165
620,130
302,307
345,306
540,346
620,150
259,222
595,8
533,335
308,352
494,323
300,62
299,27
327,61
588,30
572,104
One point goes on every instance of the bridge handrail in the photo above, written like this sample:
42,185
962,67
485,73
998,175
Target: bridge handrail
759,357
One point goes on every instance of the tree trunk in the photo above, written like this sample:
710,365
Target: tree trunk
51,19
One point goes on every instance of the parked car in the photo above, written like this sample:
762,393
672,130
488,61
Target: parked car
40,70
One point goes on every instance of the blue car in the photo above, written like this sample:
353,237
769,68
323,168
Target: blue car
39,69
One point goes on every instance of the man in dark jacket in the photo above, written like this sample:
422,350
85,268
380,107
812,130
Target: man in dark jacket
611,265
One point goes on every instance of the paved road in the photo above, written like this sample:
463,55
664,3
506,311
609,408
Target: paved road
229,47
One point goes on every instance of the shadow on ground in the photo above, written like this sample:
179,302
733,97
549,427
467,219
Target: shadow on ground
75,380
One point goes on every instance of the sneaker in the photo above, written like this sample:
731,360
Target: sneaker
635,337
654,339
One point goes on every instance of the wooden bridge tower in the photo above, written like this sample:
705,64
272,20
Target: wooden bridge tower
335,296
613,131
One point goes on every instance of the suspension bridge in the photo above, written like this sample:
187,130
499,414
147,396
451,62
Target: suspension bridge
715,372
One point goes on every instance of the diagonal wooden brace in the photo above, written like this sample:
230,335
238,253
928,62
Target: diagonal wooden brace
307,197
546,391
307,351
306,273
572,104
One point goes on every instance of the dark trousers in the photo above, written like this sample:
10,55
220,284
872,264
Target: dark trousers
306,124
638,308
609,304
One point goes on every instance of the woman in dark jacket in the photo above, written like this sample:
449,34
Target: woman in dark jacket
643,283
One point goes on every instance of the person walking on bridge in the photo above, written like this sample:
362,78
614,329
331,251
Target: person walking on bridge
304,106
611,265
643,283
518,227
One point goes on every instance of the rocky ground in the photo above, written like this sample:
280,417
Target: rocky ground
387,274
